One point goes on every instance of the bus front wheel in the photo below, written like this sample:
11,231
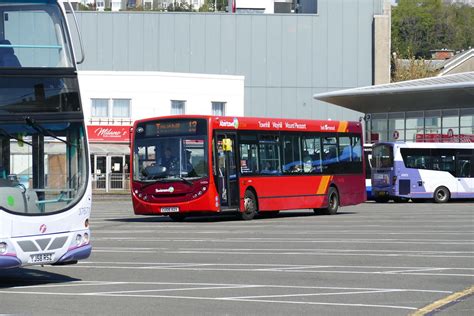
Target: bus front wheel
441,195
250,206
333,201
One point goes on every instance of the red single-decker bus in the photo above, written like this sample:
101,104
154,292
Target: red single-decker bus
184,165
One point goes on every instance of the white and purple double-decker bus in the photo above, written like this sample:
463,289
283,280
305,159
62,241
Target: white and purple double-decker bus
421,171
45,192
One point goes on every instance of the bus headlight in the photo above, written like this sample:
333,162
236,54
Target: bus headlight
78,239
3,248
86,238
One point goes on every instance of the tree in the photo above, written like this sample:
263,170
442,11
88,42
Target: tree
411,68
87,7
419,26
209,6
180,7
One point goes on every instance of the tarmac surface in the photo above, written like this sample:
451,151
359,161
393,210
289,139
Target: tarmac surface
370,259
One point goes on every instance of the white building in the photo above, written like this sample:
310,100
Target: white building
113,100
255,6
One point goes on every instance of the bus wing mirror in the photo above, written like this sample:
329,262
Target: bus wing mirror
227,144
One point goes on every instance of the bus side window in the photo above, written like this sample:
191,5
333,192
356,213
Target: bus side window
248,158
330,154
311,154
356,149
464,167
269,154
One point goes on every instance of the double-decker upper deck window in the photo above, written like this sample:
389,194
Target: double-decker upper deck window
33,36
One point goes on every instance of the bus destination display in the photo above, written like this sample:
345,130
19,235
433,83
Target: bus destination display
176,128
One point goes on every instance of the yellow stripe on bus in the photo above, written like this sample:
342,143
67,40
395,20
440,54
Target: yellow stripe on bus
323,185
342,126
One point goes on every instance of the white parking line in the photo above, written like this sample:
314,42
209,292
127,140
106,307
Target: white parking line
247,269
322,253
236,285
275,270
215,299
307,250
178,289
69,284
293,240
315,294
324,303
325,232
417,270
274,265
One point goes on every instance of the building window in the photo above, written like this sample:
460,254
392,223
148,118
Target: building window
110,108
432,125
178,107
414,123
218,108
100,108
121,108
379,127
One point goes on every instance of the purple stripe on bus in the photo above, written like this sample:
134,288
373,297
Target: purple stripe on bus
8,262
76,254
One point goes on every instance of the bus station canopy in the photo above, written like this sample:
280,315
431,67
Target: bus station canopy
451,91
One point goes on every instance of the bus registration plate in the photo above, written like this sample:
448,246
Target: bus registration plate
41,258
174,209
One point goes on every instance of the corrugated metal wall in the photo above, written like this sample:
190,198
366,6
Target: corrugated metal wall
285,58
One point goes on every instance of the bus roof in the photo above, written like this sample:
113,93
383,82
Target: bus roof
429,145
269,124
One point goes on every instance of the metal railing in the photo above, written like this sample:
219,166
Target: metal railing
112,182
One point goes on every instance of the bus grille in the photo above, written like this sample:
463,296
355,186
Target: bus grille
42,244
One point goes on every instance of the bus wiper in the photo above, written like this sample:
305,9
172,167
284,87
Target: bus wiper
175,177
40,129
166,179
184,180
19,140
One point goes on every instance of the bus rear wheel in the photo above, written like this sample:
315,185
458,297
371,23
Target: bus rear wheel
177,217
250,206
333,202
441,195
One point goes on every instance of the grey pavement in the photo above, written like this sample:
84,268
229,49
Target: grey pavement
370,259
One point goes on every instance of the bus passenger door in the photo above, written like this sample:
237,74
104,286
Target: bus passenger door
465,176
226,178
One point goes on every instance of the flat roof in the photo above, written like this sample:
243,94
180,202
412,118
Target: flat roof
451,91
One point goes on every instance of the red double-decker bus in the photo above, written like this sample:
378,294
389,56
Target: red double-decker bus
183,165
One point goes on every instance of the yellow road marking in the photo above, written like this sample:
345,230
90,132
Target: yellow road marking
444,301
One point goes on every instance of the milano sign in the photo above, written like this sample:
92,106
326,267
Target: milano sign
109,133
